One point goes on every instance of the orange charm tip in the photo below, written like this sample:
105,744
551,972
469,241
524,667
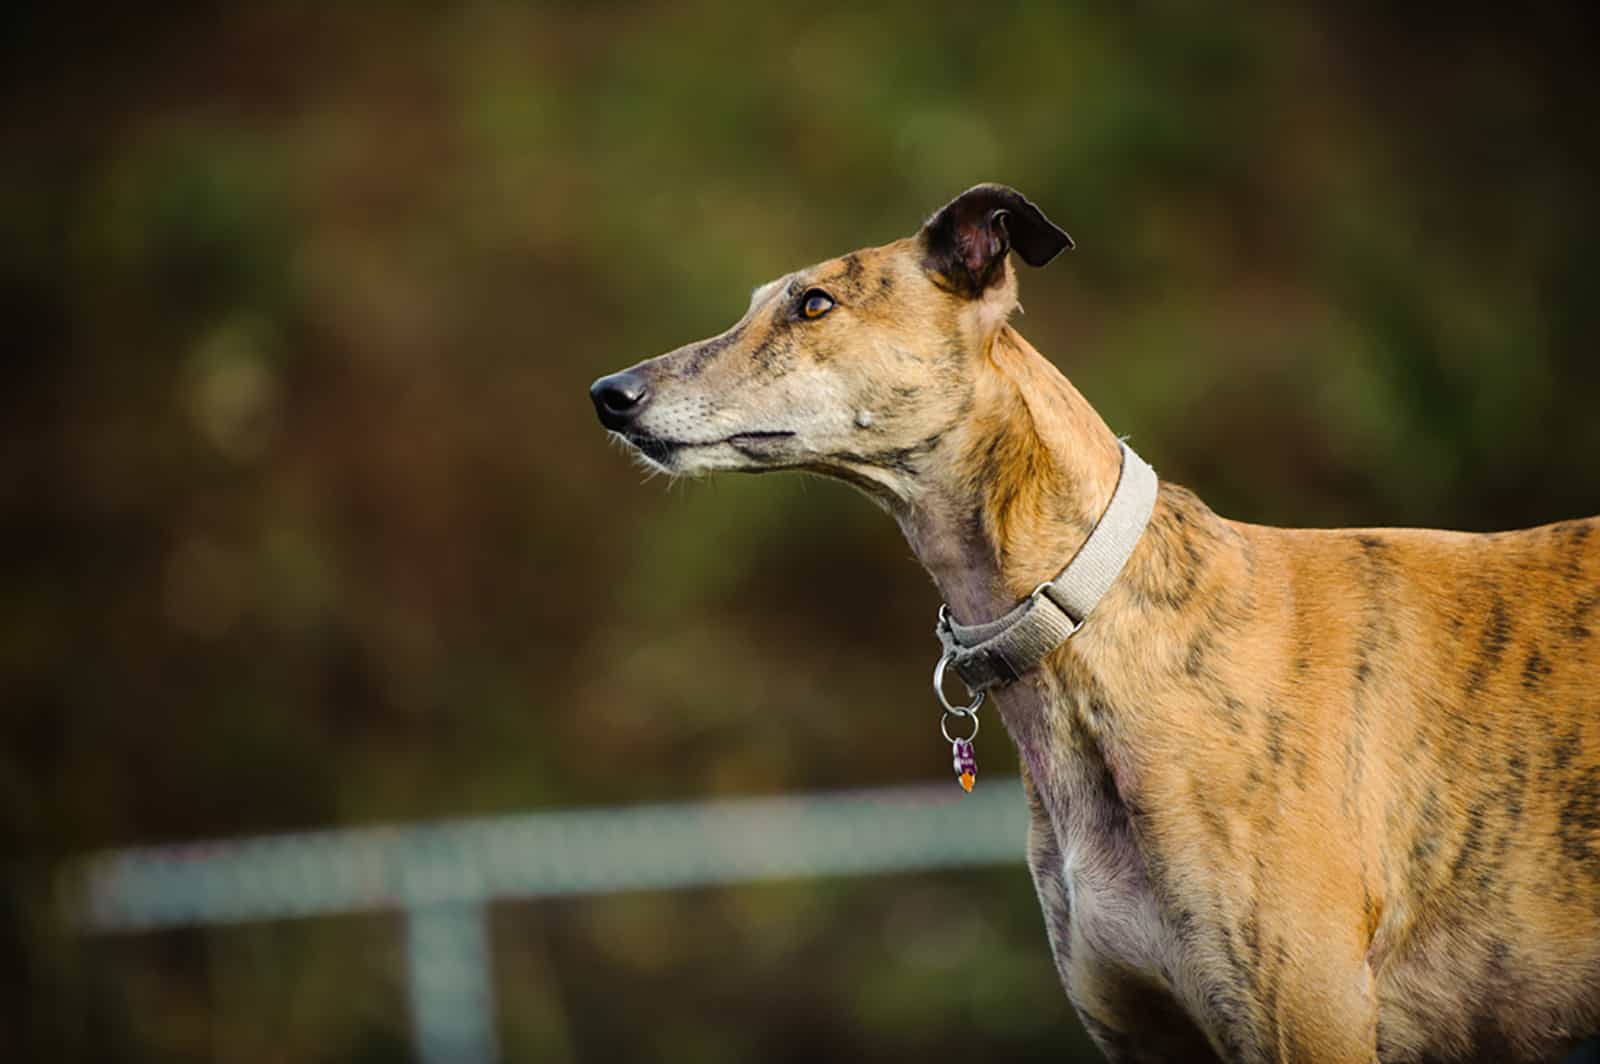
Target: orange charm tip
967,780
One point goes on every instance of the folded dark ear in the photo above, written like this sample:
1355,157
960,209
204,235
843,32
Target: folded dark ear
968,238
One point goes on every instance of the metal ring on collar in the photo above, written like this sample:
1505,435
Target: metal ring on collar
938,690
944,728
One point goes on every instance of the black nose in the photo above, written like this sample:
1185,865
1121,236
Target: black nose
619,398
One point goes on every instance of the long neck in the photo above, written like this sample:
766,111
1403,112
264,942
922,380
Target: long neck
1030,471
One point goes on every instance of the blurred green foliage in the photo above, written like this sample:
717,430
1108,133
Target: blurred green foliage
307,522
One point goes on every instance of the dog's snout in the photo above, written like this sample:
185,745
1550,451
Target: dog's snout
618,398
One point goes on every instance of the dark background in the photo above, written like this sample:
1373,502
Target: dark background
307,522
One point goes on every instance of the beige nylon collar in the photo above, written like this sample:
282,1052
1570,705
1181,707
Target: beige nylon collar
999,651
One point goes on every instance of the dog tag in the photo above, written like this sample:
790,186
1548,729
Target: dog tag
965,761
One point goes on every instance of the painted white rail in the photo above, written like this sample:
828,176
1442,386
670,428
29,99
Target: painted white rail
444,873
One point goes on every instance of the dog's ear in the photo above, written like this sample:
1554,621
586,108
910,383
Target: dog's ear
968,238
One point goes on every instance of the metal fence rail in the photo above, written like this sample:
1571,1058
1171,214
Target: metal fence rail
444,873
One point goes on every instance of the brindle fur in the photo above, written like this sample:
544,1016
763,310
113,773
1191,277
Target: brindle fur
1319,795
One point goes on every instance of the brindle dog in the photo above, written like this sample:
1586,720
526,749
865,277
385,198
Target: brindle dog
1318,795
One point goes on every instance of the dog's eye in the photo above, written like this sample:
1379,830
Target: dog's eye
815,303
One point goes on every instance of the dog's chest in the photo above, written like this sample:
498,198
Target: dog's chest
1111,913
1114,911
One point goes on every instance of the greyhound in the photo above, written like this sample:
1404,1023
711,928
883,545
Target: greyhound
1312,795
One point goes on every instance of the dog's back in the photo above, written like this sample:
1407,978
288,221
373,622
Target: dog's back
1443,694
1397,730
1473,665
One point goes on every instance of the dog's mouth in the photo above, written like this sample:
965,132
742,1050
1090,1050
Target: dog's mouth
661,450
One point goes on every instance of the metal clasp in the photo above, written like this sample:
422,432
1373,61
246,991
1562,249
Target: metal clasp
938,690
944,727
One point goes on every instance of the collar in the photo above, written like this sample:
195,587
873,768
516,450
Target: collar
998,652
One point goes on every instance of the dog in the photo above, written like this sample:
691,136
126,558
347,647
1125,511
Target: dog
1308,795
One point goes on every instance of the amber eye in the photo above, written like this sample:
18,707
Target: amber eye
815,304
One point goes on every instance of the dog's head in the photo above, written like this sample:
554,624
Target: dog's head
855,367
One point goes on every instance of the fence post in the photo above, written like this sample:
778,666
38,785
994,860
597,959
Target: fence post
452,984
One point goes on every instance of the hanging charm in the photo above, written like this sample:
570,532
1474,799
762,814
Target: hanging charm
965,762
963,758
